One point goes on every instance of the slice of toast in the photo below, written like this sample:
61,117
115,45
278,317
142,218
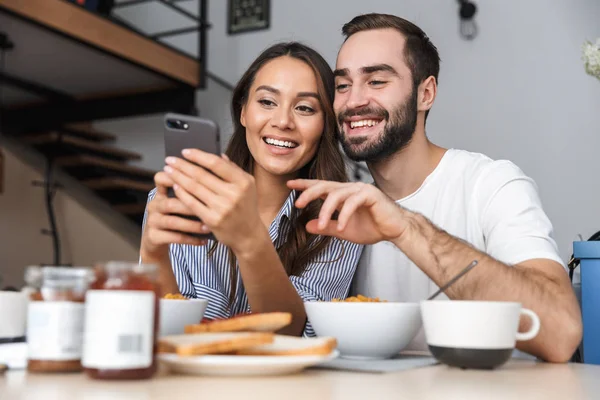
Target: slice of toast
292,346
212,343
265,322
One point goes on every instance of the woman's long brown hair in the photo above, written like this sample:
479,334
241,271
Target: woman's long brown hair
328,164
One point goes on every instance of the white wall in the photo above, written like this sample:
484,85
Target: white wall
85,238
518,91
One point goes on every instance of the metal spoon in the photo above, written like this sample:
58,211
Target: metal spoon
451,282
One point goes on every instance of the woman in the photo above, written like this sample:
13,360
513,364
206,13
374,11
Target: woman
264,260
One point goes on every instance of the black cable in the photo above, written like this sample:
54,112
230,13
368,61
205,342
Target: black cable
1,86
6,44
49,196
574,262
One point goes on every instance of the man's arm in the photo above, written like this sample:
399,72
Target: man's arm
368,216
539,284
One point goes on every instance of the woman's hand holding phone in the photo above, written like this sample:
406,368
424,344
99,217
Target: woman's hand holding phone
162,228
220,193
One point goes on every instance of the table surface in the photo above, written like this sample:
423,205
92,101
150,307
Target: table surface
517,379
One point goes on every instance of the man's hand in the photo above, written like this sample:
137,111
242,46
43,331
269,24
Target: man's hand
366,215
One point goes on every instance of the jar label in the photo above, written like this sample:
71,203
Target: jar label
54,330
119,329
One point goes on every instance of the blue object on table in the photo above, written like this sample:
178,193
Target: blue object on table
588,253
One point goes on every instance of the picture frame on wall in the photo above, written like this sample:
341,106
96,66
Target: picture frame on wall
248,15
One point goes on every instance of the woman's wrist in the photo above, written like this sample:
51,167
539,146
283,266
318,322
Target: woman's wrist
166,278
252,245
158,255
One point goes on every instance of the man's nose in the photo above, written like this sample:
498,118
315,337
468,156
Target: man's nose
357,98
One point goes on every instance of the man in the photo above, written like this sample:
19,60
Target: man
432,211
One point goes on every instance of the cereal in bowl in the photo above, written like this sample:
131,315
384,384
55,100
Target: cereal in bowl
171,296
360,299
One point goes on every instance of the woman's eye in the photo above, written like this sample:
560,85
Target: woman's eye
305,109
266,102
341,87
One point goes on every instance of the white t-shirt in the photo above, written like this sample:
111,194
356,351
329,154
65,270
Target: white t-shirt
491,204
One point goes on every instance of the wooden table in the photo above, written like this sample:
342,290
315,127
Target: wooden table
516,380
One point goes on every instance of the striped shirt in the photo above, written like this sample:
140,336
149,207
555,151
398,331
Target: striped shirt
199,275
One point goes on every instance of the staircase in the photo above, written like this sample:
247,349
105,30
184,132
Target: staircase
88,156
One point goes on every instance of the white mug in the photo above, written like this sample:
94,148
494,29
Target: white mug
13,314
476,324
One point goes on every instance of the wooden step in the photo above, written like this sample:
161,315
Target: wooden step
86,160
86,130
112,183
130,209
67,139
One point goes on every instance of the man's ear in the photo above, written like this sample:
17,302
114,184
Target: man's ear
243,116
427,93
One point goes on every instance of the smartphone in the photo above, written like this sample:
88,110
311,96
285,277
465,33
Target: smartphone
190,132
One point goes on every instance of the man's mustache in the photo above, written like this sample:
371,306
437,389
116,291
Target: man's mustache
372,112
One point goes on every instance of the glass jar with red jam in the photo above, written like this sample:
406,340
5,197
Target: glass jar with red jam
121,322
55,317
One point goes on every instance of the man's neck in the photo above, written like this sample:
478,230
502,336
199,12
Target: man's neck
404,172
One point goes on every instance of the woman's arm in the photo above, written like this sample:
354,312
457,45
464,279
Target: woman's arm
329,275
158,234
266,282
166,277
226,201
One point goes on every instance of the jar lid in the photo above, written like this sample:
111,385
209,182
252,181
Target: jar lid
52,276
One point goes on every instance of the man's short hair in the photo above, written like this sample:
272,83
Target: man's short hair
420,54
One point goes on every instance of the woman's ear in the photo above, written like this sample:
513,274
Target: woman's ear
243,116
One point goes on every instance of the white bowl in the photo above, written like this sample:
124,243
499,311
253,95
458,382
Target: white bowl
176,314
366,330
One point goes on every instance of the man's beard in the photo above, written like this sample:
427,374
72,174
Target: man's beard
398,132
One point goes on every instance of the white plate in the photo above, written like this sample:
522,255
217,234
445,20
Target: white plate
230,365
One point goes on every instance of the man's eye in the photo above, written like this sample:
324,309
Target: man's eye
376,83
341,87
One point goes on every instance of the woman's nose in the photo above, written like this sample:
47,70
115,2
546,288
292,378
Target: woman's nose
283,120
